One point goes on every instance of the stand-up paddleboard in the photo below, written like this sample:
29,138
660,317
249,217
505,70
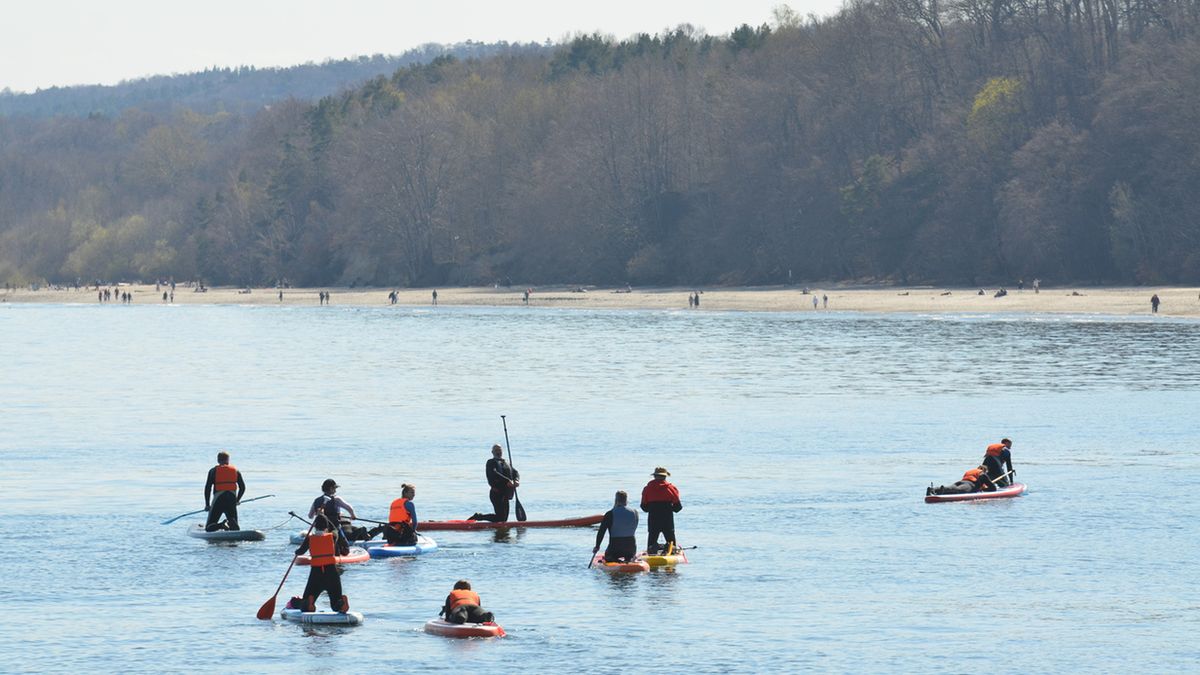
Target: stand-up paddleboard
638,565
298,538
1014,490
357,554
664,560
325,617
198,532
424,545
464,630
581,521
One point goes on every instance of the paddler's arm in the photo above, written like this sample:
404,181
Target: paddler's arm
412,513
208,486
303,547
345,505
241,487
604,525
445,611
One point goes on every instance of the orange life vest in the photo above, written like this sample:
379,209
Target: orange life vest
995,449
972,475
462,596
399,514
226,478
322,549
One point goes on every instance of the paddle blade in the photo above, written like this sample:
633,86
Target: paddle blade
267,610
520,511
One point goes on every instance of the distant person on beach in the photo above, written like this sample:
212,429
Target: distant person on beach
995,458
463,606
281,295
435,296
222,492
620,523
697,299
527,296
1154,301
814,302
164,296
330,506
691,301
824,301
401,529
1037,284
660,501
323,573
503,481
974,480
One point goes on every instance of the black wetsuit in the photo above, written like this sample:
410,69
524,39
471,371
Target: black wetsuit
327,579
995,466
622,540
223,504
498,474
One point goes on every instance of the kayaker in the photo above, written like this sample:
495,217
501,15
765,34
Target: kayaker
331,506
462,605
401,529
620,522
974,480
504,481
226,481
323,574
995,458
660,500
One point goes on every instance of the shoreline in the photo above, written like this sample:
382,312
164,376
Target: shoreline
1110,301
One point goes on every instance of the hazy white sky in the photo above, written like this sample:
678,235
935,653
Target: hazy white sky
44,43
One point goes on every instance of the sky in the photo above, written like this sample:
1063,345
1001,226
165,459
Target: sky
65,42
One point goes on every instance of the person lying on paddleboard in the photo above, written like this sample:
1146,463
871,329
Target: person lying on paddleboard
226,481
504,481
462,605
974,480
401,529
660,500
620,522
331,506
995,458
323,575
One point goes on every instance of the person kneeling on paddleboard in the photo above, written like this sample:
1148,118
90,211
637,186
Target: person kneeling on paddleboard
503,480
462,605
323,574
974,480
226,481
401,529
331,506
660,500
621,523
995,458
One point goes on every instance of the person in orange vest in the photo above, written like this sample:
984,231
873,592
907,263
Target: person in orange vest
226,481
995,458
660,500
974,480
323,574
462,605
401,529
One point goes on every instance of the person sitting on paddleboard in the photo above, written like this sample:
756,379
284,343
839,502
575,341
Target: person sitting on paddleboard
660,500
995,458
401,529
226,481
504,481
462,605
331,507
620,522
323,575
974,480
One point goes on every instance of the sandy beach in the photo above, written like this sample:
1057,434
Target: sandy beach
1111,301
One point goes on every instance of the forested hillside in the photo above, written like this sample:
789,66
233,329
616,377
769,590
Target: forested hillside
899,140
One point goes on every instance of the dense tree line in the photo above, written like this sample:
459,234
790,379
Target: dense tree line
906,140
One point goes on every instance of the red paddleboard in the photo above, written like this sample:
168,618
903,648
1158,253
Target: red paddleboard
488,525
1014,490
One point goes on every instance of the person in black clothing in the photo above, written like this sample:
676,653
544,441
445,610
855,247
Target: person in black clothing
504,481
227,482
323,573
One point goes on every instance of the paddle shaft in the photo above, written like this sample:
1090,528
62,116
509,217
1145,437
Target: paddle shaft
520,509
192,513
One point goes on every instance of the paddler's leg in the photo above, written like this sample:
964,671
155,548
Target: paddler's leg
333,586
458,614
312,589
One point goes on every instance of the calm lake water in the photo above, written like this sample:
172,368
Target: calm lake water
801,443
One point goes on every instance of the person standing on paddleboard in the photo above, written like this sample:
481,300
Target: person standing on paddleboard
330,505
226,481
620,522
660,500
995,458
323,574
504,481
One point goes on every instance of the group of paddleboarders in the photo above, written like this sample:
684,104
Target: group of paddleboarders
660,501
987,476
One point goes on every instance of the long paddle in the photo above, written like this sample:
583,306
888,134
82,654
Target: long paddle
192,513
268,608
520,509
